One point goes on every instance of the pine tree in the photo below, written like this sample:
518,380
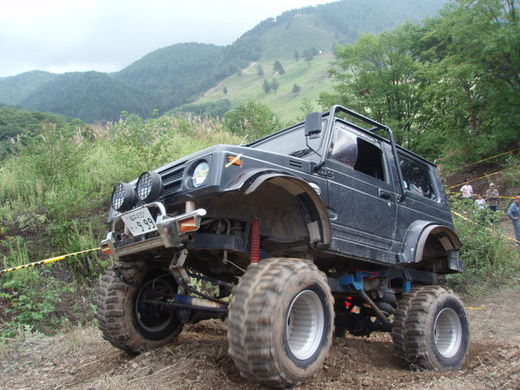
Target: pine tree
274,85
278,67
266,86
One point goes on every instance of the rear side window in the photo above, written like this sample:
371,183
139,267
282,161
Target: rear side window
417,177
354,152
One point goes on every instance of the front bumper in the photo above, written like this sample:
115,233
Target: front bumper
171,230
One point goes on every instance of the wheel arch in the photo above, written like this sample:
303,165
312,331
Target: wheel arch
435,241
296,187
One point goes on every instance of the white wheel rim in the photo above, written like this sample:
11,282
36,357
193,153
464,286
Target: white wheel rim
305,324
447,331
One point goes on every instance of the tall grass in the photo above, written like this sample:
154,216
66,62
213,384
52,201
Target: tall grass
54,198
490,259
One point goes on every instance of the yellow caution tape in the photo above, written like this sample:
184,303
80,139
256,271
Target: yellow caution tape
483,177
482,307
484,195
485,159
47,261
489,229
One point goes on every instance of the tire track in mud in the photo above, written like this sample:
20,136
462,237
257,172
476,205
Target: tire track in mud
82,360
198,360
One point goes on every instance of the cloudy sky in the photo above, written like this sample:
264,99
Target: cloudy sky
107,35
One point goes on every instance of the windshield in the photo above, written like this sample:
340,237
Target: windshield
291,142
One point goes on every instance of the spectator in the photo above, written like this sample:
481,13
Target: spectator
492,197
466,190
480,203
513,212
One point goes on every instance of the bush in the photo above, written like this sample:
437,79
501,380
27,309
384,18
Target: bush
490,260
28,298
251,119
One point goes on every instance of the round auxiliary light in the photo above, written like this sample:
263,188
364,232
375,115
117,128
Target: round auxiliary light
200,174
123,197
149,186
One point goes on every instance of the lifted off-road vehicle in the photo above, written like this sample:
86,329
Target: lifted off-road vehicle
325,227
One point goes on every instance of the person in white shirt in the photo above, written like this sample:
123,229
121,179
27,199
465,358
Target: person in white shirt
466,190
480,203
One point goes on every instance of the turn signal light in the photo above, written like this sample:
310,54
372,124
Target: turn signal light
234,160
106,250
187,225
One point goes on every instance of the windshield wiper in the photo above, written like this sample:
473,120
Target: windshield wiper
301,153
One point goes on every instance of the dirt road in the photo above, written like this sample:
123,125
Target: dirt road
80,359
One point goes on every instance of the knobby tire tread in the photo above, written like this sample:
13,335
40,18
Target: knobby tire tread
249,339
410,333
115,317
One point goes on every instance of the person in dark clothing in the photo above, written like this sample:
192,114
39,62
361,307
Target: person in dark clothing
513,212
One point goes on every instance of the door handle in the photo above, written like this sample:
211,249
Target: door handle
385,195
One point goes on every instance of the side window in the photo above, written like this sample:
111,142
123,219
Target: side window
356,153
417,178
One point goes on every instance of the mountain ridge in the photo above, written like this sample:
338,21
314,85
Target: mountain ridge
177,74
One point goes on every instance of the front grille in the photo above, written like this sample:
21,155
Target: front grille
172,180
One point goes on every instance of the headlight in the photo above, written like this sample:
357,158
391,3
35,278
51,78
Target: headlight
123,197
200,174
149,186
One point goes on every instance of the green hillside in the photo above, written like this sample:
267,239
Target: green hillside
172,74
13,90
89,96
298,32
311,77
177,74
339,22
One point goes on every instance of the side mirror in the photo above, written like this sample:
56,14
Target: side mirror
313,124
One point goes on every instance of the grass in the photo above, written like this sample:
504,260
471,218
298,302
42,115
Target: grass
300,33
490,260
53,201
311,78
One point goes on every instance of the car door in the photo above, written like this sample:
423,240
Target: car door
361,197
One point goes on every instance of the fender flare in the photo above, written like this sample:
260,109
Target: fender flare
293,185
417,235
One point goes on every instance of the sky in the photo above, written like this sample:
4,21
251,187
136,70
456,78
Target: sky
106,35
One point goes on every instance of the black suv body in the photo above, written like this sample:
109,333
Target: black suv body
367,219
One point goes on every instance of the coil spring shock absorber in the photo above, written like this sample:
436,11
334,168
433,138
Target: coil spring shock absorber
254,240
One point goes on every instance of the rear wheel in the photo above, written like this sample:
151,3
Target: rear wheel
125,315
431,329
280,322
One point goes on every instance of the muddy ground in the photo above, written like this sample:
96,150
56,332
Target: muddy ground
80,359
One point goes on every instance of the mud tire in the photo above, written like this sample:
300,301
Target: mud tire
263,320
431,329
125,321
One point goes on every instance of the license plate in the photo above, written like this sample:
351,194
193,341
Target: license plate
139,221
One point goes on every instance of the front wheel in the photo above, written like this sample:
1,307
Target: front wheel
126,315
431,329
280,322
